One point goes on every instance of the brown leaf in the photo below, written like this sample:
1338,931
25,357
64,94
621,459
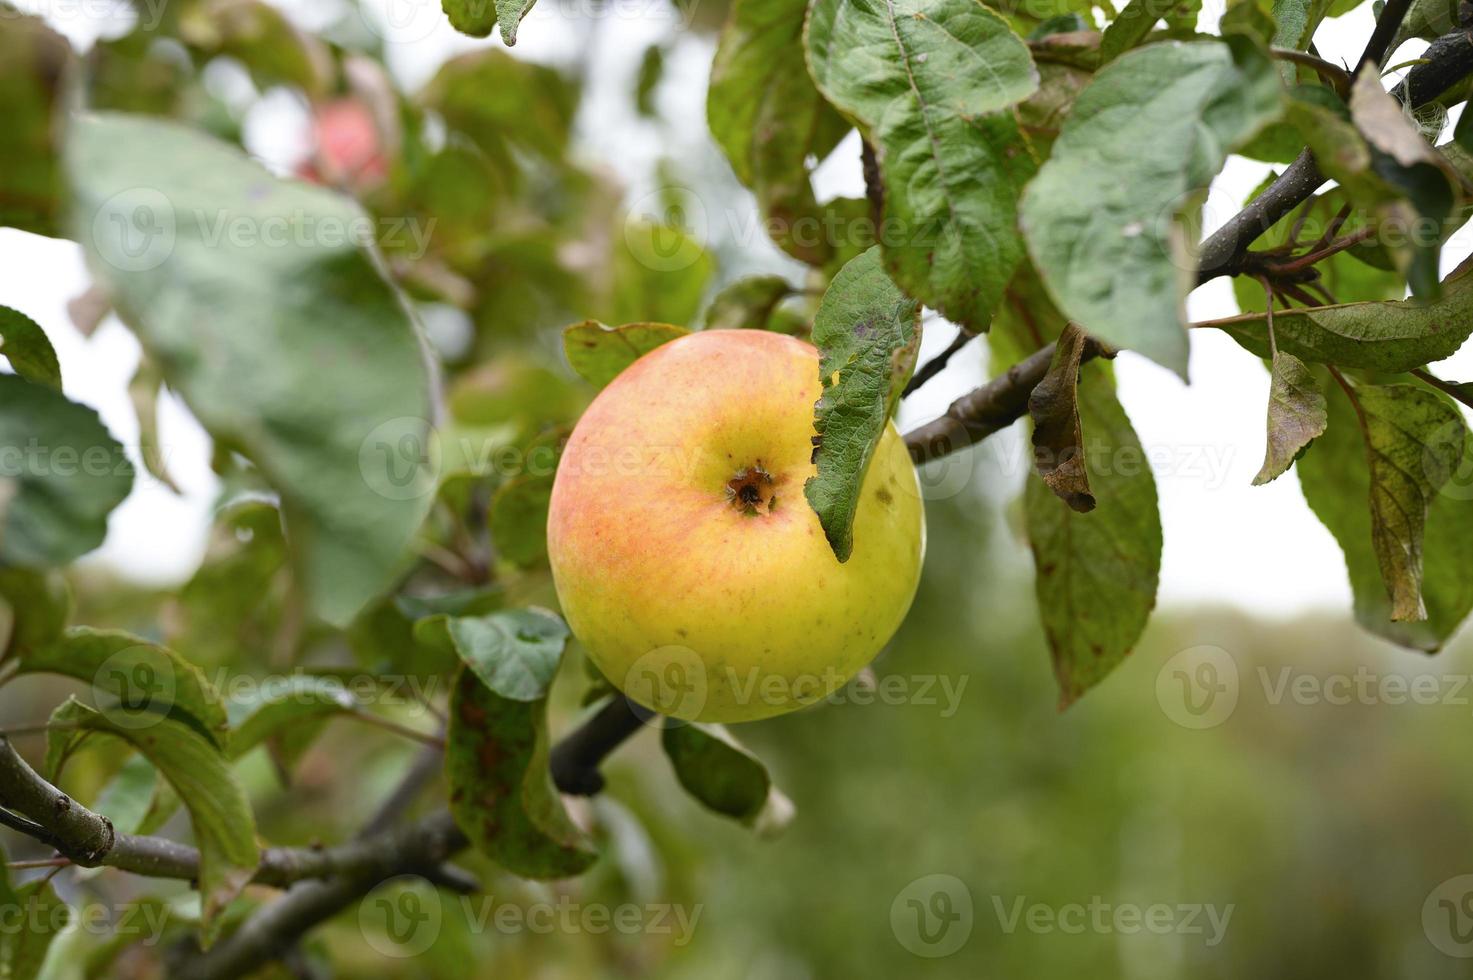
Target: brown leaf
1296,415
1058,444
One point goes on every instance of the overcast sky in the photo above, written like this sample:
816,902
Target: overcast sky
1225,540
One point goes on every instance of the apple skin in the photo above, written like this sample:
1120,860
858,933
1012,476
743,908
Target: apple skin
689,602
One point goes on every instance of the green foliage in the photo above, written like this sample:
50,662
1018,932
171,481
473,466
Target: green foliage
751,303
34,64
514,653
25,345
1097,572
63,472
36,916
39,604
767,117
1106,239
224,827
867,332
598,352
130,675
724,776
1388,337
931,82
501,792
346,456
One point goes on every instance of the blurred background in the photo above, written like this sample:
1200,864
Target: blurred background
1260,790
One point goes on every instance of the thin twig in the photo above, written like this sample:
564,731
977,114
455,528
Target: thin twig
1339,245
1391,17
1456,391
938,363
1338,77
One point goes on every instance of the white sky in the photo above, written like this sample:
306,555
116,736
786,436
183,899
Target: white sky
1223,537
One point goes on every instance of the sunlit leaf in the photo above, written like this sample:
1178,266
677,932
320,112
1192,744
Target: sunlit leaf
26,346
598,352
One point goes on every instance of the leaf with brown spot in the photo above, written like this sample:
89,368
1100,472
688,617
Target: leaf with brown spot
598,352
1414,443
501,790
1296,416
1058,444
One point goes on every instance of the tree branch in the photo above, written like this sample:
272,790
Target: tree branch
1449,59
576,758
938,363
987,409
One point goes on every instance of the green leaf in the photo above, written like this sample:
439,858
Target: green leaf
261,38
1058,444
505,105
128,796
35,62
1414,443
509,14
867,333
931,80
1143,139
514,652
660,274
1296,415
143,391
39,918
1131,26
1387,337
651,73
501,791
1336,480
768,118
598,352
231,610
346,448
474,17
282,702
224,828
724,776
61,474
749,304
25,345
40,605
133,678
518,519
1096,573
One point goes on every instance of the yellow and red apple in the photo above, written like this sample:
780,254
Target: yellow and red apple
686,559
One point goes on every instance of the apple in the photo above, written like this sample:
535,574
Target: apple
685,556
348,149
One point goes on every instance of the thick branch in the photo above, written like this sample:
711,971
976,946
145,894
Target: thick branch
419,849
987,409
1449,59
575,760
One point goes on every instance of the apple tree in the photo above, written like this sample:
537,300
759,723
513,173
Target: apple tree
389,343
